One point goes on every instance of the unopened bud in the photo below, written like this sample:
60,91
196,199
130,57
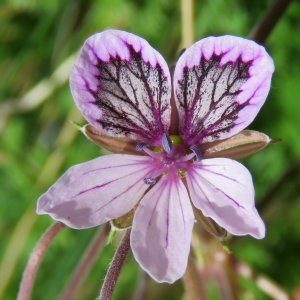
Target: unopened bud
238,146
112,144
210,226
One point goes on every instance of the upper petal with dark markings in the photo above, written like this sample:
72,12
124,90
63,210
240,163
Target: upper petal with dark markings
220,83
122,86
97,191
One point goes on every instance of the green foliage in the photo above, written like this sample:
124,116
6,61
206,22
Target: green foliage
38,142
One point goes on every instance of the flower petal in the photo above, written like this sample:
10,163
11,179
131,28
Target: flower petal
162,228
97,191
122,86
223,190
220,83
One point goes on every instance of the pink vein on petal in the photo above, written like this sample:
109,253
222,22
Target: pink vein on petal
195,182
218,189
120,194
204,168
106,183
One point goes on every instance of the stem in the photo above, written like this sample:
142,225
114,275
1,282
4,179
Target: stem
114,269
187,22
50,168
85,264
193,285
35,259
263,28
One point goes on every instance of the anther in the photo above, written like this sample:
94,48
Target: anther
140,146
150,180
197,152
167,143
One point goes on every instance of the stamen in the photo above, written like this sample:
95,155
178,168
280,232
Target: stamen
197,152
150,180
151,153
167,143
140,146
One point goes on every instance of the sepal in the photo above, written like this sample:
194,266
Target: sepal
124,221
210,226
110,143
238,146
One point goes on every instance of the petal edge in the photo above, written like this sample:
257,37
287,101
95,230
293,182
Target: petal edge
220,84
223,190
122,86
162,229
94,192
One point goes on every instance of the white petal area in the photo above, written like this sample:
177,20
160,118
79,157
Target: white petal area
223,190
162,229
122,86
94,192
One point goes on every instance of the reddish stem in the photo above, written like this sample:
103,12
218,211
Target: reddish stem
35,259
114,269
85,264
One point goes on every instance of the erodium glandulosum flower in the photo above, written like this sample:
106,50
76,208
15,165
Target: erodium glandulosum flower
124,89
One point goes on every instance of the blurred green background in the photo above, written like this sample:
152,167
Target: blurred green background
38,40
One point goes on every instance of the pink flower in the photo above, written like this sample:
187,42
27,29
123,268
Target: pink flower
123,88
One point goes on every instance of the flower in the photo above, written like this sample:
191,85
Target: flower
123,88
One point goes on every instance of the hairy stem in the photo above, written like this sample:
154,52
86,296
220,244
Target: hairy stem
114,269
35,259
85,264
263,28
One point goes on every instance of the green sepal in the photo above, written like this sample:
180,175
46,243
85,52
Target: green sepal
124,221
112,233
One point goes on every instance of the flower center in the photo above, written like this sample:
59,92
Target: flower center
172,157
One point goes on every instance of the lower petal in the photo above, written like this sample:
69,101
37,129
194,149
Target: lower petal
223,190
94,192
162,229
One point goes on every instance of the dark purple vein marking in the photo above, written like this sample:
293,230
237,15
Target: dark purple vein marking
207,169
196,183
108,182
121,193
168,198
207,97
181,208
211,204
131,96
221,191
141,162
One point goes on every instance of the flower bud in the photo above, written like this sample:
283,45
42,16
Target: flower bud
112,144
210,226
238,146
